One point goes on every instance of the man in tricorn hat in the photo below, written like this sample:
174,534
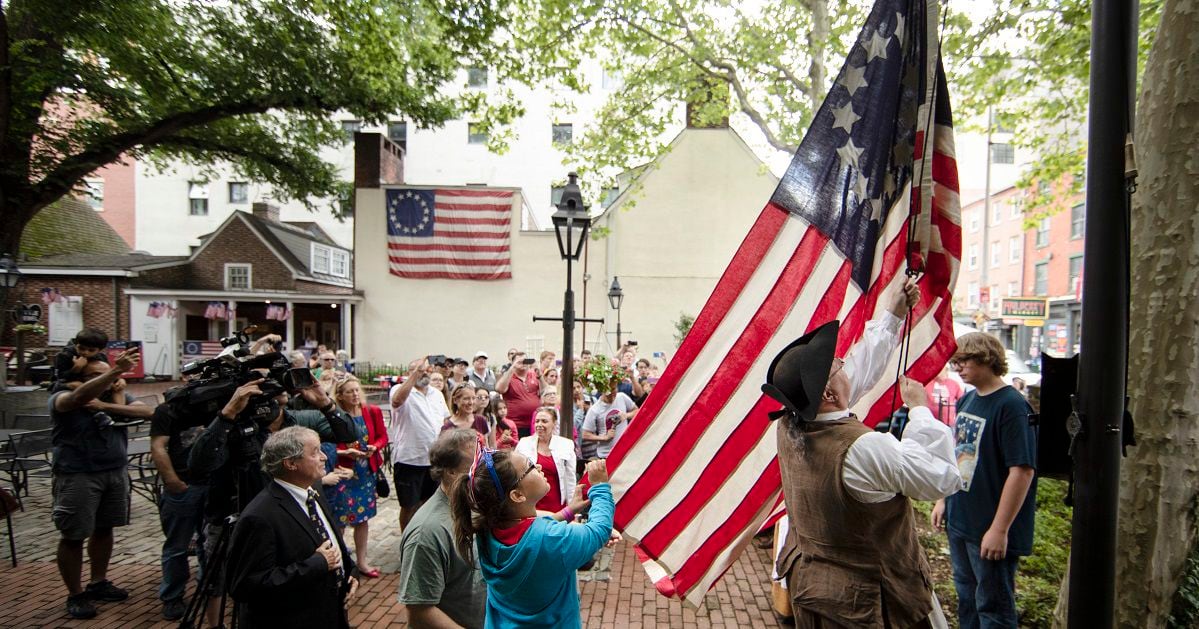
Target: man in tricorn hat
851,557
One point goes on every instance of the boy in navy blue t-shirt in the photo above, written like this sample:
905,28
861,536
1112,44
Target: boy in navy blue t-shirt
990,520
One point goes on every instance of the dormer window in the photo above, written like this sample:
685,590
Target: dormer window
320,259
328,260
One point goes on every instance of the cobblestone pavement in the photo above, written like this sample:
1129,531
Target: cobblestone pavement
614,594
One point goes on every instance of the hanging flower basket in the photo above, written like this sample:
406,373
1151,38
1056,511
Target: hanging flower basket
601,374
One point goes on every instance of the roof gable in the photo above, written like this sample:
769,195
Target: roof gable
642,176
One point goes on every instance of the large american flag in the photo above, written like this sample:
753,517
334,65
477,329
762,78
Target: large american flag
696,475
458,234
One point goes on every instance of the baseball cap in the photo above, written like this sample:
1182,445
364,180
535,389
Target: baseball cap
481,353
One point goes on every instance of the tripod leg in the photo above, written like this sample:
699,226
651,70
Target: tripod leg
205,587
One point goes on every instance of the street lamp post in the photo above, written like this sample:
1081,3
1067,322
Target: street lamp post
9,276
571,224
615,299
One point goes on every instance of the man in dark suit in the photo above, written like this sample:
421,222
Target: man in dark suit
288,566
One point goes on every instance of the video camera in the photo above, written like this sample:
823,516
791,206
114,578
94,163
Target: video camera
213,381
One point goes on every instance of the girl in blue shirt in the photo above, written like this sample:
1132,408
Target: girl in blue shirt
529,562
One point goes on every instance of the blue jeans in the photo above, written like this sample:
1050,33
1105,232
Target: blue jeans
182,517
986,589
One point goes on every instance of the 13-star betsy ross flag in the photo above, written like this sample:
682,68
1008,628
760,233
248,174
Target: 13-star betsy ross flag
460,234
872,185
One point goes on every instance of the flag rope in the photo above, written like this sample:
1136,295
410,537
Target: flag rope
905,341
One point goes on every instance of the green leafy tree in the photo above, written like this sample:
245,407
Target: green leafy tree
766,65
1028,61
682,326
251,83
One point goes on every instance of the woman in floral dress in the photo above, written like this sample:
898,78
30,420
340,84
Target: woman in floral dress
354,498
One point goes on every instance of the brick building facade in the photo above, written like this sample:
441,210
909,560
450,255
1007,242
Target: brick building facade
1004,257
1053,270
251,262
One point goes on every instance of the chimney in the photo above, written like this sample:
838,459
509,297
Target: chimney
377,161
709,99
265,211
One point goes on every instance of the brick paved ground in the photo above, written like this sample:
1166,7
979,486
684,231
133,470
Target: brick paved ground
32,594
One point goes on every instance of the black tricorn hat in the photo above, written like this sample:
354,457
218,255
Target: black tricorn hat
798,374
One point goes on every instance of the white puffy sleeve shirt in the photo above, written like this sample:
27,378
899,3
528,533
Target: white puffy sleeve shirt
878,466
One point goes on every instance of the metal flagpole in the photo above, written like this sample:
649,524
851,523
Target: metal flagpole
1101,375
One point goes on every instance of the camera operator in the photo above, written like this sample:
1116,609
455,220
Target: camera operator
90,486
227,451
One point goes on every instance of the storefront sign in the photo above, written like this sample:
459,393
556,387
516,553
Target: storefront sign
1025,308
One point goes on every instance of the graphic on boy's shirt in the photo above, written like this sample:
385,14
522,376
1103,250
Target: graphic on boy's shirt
968,433
612,419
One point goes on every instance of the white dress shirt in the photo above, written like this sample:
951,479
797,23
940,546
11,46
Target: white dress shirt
415,424
301,496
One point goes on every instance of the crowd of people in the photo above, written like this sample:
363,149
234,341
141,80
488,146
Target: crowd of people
494,511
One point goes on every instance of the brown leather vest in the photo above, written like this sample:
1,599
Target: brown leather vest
842,556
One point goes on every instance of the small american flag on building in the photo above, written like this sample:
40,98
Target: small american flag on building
460,234
872,189
193,350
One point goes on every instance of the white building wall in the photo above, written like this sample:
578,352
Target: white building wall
435,156
668,251
166,227
160,337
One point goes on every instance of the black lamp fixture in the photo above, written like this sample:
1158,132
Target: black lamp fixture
615,299
615,295
9,273
8,276
571,221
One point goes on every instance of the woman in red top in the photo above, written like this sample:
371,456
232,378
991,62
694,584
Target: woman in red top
363,457
555,455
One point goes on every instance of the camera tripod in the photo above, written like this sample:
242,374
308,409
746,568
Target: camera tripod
207,587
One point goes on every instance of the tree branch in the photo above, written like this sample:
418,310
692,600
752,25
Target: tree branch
754,115
69,171
230,150
699,63
171,73
795,81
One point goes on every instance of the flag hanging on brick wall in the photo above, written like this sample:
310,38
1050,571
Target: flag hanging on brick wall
871,189
454,234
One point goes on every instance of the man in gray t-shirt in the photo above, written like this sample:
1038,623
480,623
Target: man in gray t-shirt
607,420
436,583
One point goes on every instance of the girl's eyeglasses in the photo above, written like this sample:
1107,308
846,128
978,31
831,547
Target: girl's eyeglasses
532,466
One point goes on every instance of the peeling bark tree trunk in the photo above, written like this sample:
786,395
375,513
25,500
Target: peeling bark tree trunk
1159,485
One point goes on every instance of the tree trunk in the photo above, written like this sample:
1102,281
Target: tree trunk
1159,485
